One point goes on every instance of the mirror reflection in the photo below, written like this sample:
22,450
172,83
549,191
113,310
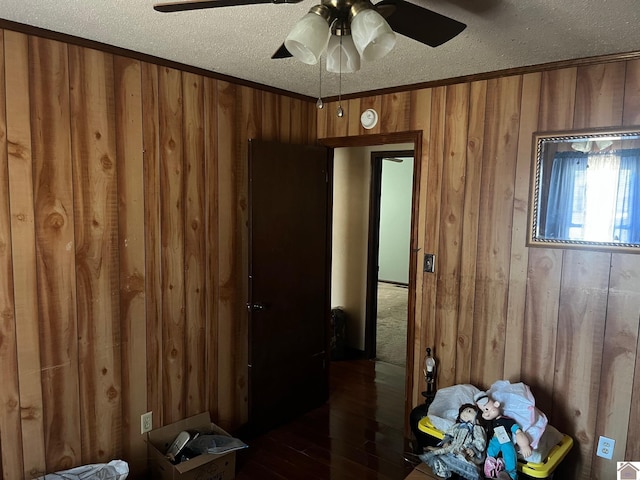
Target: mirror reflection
585,189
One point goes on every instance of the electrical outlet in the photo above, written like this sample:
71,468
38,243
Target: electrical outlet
605,447
146,422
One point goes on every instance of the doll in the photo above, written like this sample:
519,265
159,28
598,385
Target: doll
461,451
500,430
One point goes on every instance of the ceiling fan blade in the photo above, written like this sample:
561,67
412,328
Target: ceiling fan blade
421,24
282,52
202,4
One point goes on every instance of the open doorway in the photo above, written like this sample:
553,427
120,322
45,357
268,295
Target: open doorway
372,205
389,248
354,214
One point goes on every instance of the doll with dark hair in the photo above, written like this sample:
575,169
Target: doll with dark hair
502,460
461,451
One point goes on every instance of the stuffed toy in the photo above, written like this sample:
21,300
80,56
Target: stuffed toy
461,451
500,430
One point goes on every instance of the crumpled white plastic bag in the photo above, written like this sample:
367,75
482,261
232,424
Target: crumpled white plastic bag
114,470
549,439
444,409
517,402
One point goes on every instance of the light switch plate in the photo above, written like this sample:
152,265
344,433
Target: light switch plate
429,263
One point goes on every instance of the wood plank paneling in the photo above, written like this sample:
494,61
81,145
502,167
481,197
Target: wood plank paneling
131,240
172,238
354,126
276,117
631,113
96,229
303,122
451,224
435,159
600,90
583,294
494,232
333,126
212,257
394,112
557,103
152,244
10,428
21,202
54,220
194,228
469,240
539,345
618,358
514,337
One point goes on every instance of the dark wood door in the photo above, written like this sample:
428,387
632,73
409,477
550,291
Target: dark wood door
289,287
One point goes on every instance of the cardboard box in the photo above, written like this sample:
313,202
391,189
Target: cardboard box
203,467
421,472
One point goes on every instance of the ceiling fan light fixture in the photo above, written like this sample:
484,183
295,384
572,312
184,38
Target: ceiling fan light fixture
347,60
309,36
372,35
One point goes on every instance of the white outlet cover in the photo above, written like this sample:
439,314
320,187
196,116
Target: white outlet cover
605,447
146,422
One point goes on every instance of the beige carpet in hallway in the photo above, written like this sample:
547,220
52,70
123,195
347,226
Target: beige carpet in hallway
391,333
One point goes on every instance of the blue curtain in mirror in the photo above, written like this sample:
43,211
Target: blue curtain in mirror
566,210
567,170
627,223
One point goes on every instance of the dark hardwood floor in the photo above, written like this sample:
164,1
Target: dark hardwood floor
357,434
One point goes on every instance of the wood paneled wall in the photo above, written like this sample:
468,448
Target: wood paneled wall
123,211
563,321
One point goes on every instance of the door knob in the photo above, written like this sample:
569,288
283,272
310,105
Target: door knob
256,307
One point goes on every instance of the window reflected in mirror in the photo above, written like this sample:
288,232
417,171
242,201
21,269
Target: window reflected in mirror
585,189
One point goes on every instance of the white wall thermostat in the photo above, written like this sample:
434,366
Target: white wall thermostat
369,118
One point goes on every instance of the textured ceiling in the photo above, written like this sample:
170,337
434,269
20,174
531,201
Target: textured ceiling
239,41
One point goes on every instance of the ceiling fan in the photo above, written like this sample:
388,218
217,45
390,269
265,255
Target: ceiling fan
338,20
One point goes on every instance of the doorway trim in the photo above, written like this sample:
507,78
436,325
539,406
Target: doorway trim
415,137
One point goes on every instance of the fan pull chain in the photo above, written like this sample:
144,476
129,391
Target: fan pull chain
340,112
320,103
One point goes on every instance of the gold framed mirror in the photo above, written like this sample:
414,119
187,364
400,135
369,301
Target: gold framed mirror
585,189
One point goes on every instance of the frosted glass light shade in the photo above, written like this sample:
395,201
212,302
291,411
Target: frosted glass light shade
350,55
308,38
372,35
